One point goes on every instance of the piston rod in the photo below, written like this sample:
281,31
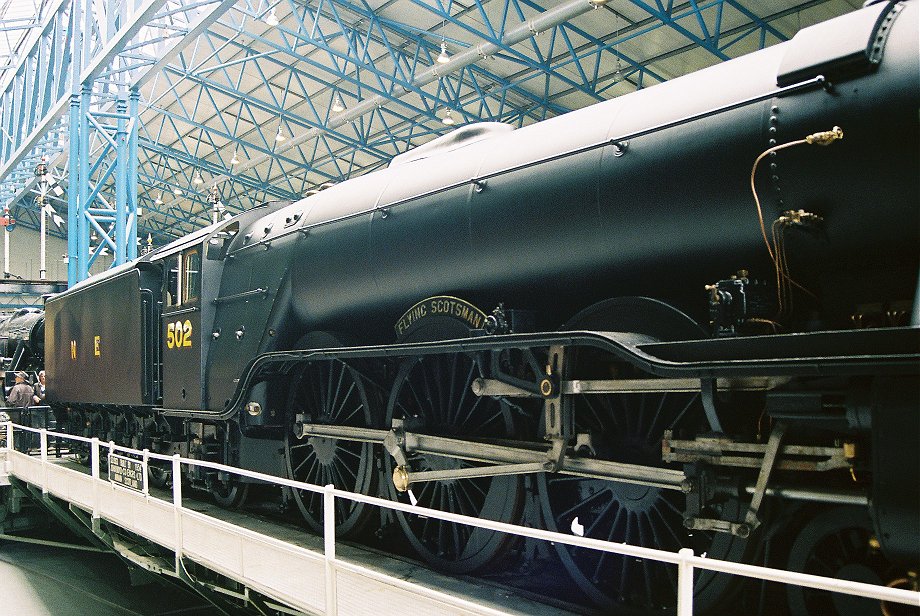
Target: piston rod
474,451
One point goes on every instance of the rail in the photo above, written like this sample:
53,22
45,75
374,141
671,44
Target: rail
685,560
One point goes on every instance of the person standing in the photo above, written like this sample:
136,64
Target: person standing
38,396
21,397
21,394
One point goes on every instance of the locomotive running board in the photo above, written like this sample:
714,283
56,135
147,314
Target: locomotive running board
865,352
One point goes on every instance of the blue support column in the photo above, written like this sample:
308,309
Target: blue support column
75,179
131,239
121,179
82,228
73,193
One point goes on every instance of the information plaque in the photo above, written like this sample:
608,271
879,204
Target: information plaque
126,472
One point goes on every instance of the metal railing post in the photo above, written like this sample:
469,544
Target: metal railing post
685,583
43,447
145,463
329,548
94,464
177,508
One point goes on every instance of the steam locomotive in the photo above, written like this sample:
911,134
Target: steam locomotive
507,324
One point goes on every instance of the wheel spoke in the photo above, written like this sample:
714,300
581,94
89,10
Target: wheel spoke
337,413
436,389
335,393
650,434
625,428
596,496
680,416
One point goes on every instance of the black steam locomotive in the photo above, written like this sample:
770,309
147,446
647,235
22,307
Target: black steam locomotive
614,323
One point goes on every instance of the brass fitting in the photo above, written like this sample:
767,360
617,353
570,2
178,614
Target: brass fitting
826,137
401,478
849,450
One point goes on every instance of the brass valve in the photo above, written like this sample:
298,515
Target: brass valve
826,137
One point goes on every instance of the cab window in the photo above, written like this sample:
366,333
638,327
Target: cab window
172,281
191,275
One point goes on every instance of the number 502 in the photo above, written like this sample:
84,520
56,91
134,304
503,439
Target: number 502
179,334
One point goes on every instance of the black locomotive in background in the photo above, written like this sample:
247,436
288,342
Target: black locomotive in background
592,323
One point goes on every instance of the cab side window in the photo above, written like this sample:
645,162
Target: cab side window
172,282
191,275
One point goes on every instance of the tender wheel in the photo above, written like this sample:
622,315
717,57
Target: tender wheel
628,428
229,494
154,432
330,393
434,394
159,476
836,543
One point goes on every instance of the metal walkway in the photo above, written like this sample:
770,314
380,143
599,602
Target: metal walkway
284,568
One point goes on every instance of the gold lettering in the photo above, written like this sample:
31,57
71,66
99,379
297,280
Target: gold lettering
73,349
440,305
96,346
187,333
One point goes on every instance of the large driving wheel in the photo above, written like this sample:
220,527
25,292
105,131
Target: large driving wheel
434,395
836,544
628,428
332,393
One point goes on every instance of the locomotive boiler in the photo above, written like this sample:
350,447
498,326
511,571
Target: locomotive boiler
673,319
22,339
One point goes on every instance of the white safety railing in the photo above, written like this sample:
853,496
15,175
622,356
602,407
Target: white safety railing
685,560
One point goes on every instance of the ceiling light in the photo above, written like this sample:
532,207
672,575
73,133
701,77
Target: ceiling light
443,58
272,18
338,104
279,137
159,200
234,160
198,181
448,119
177,191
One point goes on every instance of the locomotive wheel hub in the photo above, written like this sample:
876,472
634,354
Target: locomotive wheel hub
324,448
633,496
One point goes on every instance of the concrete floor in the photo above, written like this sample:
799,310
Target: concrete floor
37,580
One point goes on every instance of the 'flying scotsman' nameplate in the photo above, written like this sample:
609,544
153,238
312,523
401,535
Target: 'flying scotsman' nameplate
126,472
